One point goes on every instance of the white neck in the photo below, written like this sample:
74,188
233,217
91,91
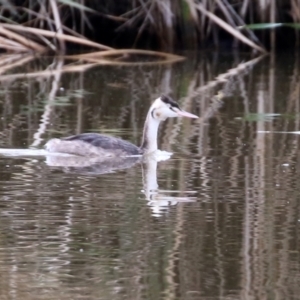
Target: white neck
149,142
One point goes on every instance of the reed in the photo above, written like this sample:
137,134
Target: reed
50,25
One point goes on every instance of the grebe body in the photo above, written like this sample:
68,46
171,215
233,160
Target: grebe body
94,144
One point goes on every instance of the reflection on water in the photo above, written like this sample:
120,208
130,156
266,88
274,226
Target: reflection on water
218,220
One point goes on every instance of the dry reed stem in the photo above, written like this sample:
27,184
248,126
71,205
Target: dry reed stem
41,17
169,58
127,14
47,43
226,6
130,64
226,12
29,44
64,37
46,73
131,51
58,24
10,42
229,28
7,43
193,10
295,10
244,7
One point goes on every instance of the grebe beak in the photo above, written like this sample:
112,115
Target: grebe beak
182,113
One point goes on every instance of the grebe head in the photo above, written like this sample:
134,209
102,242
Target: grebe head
165,107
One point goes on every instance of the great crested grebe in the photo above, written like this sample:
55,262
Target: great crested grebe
94,144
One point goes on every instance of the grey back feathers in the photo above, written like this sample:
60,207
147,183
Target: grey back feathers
106,142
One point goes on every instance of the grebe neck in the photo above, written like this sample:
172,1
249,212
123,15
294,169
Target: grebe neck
149,142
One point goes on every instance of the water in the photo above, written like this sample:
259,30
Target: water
224,222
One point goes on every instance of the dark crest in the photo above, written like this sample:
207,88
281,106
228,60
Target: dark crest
169,100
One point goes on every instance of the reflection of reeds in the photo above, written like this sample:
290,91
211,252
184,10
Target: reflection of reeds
45,118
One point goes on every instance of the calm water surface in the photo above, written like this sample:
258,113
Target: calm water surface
224,222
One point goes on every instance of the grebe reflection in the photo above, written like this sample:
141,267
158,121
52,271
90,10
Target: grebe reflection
158,200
